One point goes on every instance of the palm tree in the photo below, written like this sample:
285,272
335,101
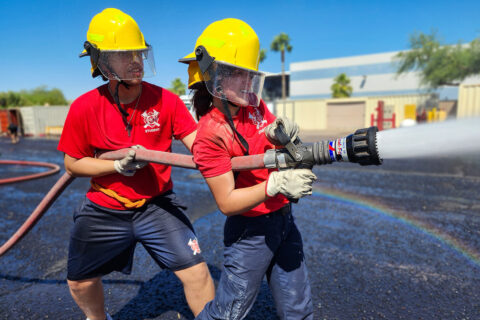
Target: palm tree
281,43
178,87
262,55
341,87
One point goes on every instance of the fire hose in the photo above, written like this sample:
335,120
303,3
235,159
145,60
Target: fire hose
360,147
54,169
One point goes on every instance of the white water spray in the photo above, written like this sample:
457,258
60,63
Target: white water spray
448,138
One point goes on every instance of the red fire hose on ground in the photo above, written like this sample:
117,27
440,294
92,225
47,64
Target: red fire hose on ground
39,211
51,196
53,169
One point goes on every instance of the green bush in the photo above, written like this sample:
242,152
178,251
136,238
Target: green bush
36,97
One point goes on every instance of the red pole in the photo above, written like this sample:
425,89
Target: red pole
380,115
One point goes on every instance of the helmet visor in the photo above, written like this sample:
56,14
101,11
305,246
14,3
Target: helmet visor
238,85
127,64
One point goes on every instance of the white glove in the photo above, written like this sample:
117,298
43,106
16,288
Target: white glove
291,129
292,183
128,166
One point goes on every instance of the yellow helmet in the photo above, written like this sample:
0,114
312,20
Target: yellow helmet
232,44
229,40
194,74
112,31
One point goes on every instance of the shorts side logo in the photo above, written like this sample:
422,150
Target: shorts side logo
194,246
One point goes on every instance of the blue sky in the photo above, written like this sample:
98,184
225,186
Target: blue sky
41,40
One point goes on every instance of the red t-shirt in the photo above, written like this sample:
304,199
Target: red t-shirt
216,144
94,123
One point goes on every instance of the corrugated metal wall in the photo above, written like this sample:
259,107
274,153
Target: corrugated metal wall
468,100
313,114
309,114
397,103
36,119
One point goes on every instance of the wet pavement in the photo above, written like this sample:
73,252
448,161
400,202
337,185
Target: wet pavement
398,241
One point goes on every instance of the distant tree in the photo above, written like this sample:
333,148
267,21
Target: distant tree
38,96
15,99
438,64
281,43
42,96
178,87
341,87
263,55
3,99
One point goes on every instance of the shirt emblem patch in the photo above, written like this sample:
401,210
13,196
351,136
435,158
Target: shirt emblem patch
194,246
151,121
257,119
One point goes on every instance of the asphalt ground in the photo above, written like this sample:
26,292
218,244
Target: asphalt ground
397,241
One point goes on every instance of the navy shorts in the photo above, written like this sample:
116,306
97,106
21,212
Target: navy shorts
103,240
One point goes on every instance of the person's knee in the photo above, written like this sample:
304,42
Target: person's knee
79,286
195,275
202,272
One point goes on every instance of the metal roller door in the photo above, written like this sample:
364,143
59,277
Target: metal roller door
346,116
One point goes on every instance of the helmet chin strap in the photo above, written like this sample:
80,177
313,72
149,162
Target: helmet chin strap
227,112
233,104
117,101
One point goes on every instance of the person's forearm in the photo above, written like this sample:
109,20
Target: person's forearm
241,200
89,167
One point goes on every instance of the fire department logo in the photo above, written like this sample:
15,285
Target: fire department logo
194,246
257,119
151,120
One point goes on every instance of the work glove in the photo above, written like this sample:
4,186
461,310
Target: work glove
127,165
291,129
292,183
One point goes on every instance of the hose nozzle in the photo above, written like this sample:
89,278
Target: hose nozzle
360,147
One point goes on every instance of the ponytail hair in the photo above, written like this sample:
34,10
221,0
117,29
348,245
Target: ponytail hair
202,99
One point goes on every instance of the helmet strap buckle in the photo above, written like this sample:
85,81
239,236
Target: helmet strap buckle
91,50
203,58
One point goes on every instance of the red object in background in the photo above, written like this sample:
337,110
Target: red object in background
8,116
380,120
379,110
422,117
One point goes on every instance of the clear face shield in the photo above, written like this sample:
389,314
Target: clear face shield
240,86
127,64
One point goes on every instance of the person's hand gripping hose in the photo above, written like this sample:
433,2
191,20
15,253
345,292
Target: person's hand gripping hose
292,183
128,166
291,129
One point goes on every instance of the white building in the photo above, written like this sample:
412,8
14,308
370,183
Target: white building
374,83
370,75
